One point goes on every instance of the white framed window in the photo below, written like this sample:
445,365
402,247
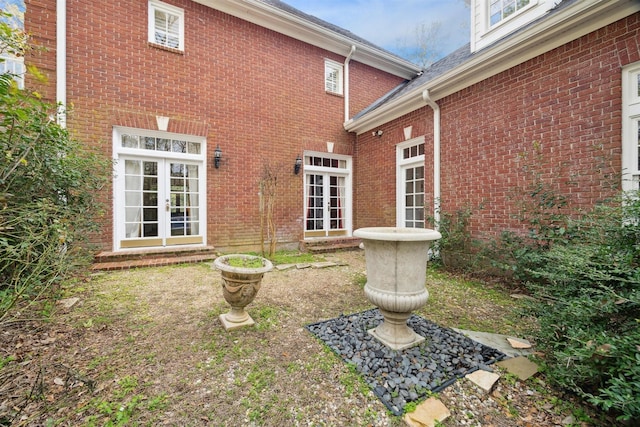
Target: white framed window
166,25
410,183
499,10
333,76
14,66
631,127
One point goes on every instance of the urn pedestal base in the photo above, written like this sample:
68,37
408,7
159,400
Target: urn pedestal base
394,331
231,322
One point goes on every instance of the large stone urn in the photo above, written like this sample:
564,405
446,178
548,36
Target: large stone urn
396,261
241,282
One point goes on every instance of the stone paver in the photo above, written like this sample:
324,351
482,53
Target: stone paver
483,379
519,343
520,366
427,414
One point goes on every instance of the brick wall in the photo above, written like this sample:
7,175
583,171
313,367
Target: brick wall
567,101
257,94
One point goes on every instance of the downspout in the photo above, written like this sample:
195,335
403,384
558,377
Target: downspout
436,155
61,61
346,83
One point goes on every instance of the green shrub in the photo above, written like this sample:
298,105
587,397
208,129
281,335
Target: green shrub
48,187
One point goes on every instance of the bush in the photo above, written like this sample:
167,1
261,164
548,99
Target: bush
48,185
587,289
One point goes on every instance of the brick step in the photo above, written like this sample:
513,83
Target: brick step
330,245
105,261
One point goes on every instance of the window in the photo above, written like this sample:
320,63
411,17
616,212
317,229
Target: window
333,77
166,25
410,184
14,66
631,127
503,9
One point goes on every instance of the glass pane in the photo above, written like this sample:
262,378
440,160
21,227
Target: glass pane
150,214
150,230
408,188
419,186
409,200
421,149
163,144
132,214
409,174
130,141
132,183
420,172
149,143
194,147
179,146
132,198
638,78
409,214
151,168
150,183
150,199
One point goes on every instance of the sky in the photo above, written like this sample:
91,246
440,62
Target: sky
392,24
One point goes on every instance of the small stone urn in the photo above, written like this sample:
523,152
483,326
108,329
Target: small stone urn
241,281
396,261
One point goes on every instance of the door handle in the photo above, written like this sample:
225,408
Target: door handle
167,205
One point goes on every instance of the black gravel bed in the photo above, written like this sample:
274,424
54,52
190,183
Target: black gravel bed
400,377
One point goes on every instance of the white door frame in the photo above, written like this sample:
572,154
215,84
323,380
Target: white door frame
164,159
401,164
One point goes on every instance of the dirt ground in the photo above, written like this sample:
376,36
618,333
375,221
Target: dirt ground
146,347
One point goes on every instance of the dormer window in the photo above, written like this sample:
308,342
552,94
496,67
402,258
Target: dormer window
500,10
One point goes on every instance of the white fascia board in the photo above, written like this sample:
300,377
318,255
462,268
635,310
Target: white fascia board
293,26
579,19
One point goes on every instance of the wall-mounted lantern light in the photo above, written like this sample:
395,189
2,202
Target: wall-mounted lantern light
297,165
217,155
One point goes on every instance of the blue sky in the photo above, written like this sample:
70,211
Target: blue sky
391,24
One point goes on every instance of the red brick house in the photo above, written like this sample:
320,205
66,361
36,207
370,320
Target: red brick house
178,81
380,142
560,75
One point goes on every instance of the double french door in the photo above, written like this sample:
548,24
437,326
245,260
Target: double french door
327,196
159,202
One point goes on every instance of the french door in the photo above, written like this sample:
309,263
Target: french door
160,203
327,197
410,187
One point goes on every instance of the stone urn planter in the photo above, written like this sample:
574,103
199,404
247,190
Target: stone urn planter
396,261
241,277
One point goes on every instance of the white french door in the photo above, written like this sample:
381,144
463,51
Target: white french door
158,192
327,196
161,204
410,184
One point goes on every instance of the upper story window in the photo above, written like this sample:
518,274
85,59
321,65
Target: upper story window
166,25
502,9
333,77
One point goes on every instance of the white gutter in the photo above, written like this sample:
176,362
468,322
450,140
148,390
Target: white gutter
61,61
436,156
346,82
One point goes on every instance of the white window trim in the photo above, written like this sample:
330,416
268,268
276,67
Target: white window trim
118,152
630,123
532,3
334,66
400,163
15,66
347,172
158,5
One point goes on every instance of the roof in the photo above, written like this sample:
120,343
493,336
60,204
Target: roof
568,20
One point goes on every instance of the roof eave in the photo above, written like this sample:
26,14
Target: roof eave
293,26
570,24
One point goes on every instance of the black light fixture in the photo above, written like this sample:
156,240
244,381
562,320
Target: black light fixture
297,165
217,155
